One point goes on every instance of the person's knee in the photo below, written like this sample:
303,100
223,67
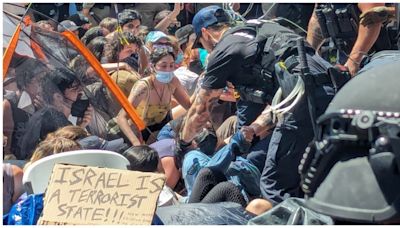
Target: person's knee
259,206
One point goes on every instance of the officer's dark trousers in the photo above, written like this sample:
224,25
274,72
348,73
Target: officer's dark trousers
280,178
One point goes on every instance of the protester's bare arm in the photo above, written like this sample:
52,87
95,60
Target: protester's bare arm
143,60
199,113
164,23
180,94
138,93
87,117
18,187
114,66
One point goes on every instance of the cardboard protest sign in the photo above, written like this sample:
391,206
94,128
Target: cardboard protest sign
91,195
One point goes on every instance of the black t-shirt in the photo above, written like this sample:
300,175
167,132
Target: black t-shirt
232,60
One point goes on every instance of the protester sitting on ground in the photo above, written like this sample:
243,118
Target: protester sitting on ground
145,159
19,106
152,97
52,146
106,102
12,185
43,122
97,47
93,33
191,67
60,91
185,35
227,161
166,22
87,141
109,23
68,25
130,20
165,149
211,186
155,39
82,21
83,70
121,52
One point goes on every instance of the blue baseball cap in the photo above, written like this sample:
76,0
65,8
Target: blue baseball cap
206,17
154,36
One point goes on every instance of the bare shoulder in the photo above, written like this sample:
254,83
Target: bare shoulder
139,89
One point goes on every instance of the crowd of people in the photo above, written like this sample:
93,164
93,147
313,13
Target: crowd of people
214,124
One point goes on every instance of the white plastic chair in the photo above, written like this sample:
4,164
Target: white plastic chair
37,175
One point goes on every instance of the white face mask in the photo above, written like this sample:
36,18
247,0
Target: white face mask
164,77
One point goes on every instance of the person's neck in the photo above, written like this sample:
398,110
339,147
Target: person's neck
158,85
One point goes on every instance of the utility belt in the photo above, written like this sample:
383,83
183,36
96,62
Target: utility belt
339,24
286,75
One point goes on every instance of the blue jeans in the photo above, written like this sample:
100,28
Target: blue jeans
237,169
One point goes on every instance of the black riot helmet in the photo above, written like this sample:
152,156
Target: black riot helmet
351,171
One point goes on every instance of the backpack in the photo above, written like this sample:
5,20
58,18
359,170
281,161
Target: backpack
275,43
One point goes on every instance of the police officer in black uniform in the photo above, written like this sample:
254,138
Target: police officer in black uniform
233,57
340,21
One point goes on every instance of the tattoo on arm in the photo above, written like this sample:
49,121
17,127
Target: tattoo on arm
199,113
138,93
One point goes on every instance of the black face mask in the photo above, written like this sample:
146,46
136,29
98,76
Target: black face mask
208,144
172,30
132,61
196,67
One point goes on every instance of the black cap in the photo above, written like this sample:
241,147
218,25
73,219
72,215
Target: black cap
182,34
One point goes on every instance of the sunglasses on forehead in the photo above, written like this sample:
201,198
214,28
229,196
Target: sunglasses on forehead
163,47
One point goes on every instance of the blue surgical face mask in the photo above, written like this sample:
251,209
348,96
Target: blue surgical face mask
179,58
164,77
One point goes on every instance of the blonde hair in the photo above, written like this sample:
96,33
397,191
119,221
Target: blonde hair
52,146
109,23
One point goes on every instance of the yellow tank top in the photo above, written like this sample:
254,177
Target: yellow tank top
152,114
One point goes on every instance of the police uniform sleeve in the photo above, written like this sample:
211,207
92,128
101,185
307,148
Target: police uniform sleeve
222,65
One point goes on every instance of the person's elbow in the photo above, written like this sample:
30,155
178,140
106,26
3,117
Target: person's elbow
121,118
